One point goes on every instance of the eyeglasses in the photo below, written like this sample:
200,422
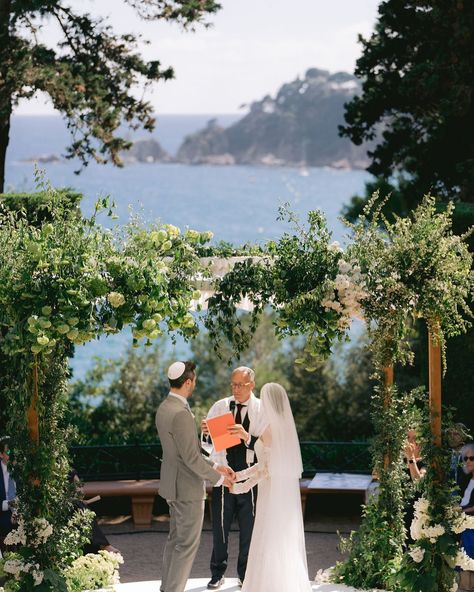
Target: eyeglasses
466,458
238,384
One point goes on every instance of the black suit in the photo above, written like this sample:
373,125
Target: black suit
242,506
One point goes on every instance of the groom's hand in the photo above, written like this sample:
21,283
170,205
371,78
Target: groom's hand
227,472
238,430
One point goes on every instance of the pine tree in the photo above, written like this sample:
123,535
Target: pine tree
89,75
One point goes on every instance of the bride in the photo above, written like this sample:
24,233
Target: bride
277,556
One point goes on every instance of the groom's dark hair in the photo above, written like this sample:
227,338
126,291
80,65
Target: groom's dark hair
188,374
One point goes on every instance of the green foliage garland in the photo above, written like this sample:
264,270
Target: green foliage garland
65,280
293,276
413,267
375,551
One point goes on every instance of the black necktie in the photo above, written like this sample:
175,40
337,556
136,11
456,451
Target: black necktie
238,416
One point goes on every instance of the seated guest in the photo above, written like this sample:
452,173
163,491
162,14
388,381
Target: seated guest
7,492
98,540
415,465
415,470
467,496
457,436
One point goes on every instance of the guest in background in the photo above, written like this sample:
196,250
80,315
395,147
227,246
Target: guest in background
415,470
413,460
7,492
98,540
467,496
457,436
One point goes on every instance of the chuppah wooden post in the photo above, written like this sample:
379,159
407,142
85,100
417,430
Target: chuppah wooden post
434,360
32,415
388,383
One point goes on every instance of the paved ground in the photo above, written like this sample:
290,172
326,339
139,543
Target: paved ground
143,549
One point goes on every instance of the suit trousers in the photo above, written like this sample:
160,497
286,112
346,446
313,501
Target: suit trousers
183,542
241,506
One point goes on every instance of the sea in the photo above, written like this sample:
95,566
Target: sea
239,204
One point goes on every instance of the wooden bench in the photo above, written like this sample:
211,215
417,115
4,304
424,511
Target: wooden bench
345,483
142,492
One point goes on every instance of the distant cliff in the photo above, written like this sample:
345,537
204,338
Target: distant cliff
299,127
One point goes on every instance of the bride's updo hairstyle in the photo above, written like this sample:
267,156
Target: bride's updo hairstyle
285,455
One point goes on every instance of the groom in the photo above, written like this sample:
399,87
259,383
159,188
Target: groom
183,472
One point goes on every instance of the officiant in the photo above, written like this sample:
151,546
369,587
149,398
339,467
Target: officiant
249,424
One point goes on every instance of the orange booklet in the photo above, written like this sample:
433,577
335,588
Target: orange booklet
221,439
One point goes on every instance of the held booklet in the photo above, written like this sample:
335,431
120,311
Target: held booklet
221,439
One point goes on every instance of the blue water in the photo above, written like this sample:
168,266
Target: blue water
238,204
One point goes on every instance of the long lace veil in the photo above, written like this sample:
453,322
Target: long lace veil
278,535
285,456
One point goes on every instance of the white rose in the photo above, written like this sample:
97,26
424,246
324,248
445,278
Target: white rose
417,554
116,299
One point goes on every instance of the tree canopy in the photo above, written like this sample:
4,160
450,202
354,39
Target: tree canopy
90,75
417,98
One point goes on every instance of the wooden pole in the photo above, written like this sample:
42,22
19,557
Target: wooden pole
434,360
32,413
388,383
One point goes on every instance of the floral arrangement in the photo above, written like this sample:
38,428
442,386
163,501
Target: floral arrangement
312,288
413,268
25,568
93,571
65,280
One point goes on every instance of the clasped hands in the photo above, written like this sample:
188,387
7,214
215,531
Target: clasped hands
229,475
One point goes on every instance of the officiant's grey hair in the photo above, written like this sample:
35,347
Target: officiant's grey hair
245,370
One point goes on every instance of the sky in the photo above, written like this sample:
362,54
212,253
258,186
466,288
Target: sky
252,48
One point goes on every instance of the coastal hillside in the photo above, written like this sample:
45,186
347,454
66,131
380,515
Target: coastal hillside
298,127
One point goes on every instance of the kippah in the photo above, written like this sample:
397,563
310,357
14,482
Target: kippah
176,370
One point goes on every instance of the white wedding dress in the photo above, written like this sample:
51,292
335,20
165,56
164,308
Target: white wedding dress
277,556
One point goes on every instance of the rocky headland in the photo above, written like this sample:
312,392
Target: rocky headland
298,127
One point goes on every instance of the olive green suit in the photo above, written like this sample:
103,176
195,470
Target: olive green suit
183,472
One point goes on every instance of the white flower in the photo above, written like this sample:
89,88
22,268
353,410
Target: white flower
417,554
37,576
13,566
463,560
335,246
116,299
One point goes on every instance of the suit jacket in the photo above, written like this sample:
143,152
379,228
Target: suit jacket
183,469
10,494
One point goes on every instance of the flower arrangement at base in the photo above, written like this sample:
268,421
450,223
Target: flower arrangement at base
93,571
429,564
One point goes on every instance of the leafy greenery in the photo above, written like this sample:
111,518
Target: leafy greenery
294,276
375,551
416,103
91,76
413,267
64,281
